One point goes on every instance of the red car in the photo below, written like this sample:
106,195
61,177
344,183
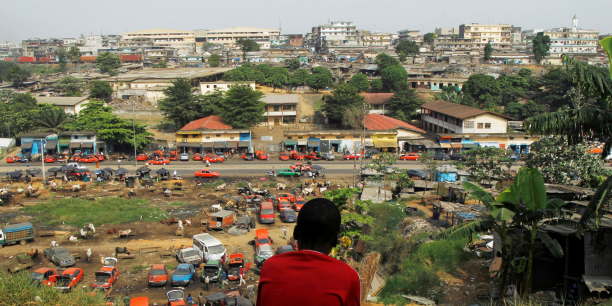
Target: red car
298,166
285,196
99,156
282,205
159,161
262,238
49,159
293,243
283,156
62,158
10,159
197,156
410,156
206,173
175,298
69,279
237,267
296,155
142,157
75,158
261,155
352,156
299,203
312,156
88,159
43,275
108,275
173,155
158,276
212,158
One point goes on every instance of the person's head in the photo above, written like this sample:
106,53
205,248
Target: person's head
317,226
189,294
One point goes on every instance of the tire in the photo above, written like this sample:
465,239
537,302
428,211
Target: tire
23,242
253,222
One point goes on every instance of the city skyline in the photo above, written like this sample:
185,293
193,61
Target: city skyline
116,17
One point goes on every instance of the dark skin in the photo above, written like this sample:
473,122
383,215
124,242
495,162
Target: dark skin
325,248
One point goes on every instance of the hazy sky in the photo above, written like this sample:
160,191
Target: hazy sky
70,18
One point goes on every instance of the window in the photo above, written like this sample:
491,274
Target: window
468,124
76,137
290,137
300,137
487,125
276,108
218,135
231,138
207,86
479,125
207,137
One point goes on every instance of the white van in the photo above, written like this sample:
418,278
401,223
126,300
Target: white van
208,247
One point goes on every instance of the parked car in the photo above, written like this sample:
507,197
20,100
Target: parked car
183,275
213,270
69,279
283,156
188,255
416,173
62,158
206,173
10,159
158,275
262,254
262,238
283,205
159,161
49,159
175,298
184,157
441,156
237,266
43,276
299,203
261,155
328,156
312,156
173,155
59,256
88,159
266,213
25,158
288,216
285,196
284,249
458,156
142,157
352,156
247,156
212,158
288,172
293,243
108,275
197,156
99,156
410,156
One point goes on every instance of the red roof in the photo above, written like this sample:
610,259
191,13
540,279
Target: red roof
377,98
380,122
207,123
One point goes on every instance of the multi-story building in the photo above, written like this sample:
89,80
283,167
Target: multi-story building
516,35
441,32
452,44
335,33
208,87
376,39
40,47
182,41
228,37
280,109
572,40
408,34
498,35
447,117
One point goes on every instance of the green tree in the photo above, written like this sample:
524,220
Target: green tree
486,164
384,60
242,107
402,57
74,55
108,62
343,97
110,128
280,70
404,103
393,77
429,38
515,110
407,47
380,165
360,81
211,104
18,110
4,68
265,68
488,51
17,75
214,60
541,46
277,80
483,89
300,77
322,70
377,85
512,88
354,211
180,104
161,64
100,90
62,57
295,63
247,45
52,119
234,76
259,77
71,85
319,81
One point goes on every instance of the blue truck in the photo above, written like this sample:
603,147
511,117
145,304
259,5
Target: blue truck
21,233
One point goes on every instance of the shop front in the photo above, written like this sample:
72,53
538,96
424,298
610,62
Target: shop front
290,144
244,146
314,144
207,147
189,147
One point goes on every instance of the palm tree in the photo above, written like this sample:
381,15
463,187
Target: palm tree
52,120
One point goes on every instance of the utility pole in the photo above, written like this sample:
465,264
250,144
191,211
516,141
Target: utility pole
354,165
363,142
134,129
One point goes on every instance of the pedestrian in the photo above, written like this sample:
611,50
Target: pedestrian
118,163
126,300
323,172
242,281
223,276
285,232
189,298
200,299
273,173
206,281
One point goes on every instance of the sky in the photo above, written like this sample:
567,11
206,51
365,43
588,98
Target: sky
71,18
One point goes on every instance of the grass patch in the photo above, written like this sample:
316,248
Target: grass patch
410,198
138,268
317,104
241,184
170,266
79,212
272,185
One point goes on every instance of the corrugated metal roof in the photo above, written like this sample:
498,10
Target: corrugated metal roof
381,122
457,110
63,101
377,98
208,123
280,99
168,73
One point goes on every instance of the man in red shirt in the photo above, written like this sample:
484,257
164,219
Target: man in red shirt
309,276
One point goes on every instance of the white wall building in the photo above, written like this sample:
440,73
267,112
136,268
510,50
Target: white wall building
229,36
498,35
208,87
447,117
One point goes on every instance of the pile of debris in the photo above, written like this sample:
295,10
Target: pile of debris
414,225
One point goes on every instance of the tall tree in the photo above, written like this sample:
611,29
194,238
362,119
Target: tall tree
108,62
404,103
483,89
541,46
18,112
214,60
17,75
488,51
402,57
160,64
300,77
247,45
512,88
212,104
265,68
487,164
384,60
343,97
277,80
295,63
242,107
74,55
429,38
319,81
360,81
71,85
62,57
377,85
180,104
234,76
321,70
52,119
100,90
393,77
407,47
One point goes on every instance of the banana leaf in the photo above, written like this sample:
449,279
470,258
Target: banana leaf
532,188
466,230
606,43
552,244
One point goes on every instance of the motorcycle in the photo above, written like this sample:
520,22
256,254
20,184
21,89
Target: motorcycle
271,173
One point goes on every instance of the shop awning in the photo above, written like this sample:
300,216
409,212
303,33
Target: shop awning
385,143
74,145
219,144
335,141
302,142
64,142
290,142
470,146
51,144
209,144
489,144
244,144
456,145
26,145
369,143
87,145
445,145
314,143
231,144
189,145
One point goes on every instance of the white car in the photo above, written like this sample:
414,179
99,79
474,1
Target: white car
184,157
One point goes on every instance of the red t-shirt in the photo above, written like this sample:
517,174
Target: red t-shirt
307,278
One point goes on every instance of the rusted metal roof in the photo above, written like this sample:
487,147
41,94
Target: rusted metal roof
457,110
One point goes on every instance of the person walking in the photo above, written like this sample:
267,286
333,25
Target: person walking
242,281
118,163
200,299
206,281
323,172
189,298
285,232
126,300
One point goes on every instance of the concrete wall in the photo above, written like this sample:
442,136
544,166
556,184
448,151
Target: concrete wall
140,114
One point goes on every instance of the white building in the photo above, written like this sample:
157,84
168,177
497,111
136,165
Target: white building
180,40
572,40
408,34
336,33
228,37
208,87
446,31
70,105
498,35
447,117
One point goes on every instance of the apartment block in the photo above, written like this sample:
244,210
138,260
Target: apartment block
498,35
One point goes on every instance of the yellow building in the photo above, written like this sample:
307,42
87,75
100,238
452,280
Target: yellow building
338,140
211,134
498,35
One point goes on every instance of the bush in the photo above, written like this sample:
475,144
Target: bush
241,184
138,268
272,185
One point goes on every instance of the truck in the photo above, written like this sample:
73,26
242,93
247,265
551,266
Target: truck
188,255
222,219
209,247
21,233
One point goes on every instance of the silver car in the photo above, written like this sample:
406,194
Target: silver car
184,157
328,156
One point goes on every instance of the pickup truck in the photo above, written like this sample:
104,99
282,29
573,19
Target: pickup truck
14,233
188,255
77,165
